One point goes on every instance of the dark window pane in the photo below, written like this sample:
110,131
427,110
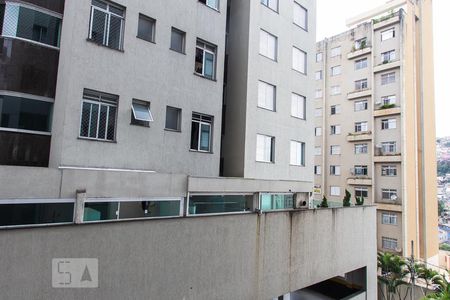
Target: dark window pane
39,27
148,209
100,211
27,114
98,26
277,201
219,204
173,118
35,213
93,121
205,137
194,135
146,27
199,61
115,32
111,123
177,40
84,131
102,122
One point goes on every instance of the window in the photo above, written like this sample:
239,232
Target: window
335,129
361,149
318,112
272,4
389,244
336,70
140,113
318,151
205,59
297,153
300,16
388,124
211,3
361,105
389,194
335,90
107,23
361,192
389,170
388,78
389,100
335,150
299,60
361,84
387,34
389,218
360,171
27,23
298,106
361,43
319,57
98,116
276,201
266,95
265,148
335,191
387,56
146,28
317,170
361,64
39,212
201,132
318,94
335,170
389,147
25,114
177,40
268,45
361,127
173,118
319,75
335,109
336,51
318,131
219,204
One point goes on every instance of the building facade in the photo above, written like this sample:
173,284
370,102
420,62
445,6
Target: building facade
374,115
158,119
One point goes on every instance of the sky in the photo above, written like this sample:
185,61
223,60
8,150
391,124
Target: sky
331,17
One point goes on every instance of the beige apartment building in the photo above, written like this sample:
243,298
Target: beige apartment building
375,123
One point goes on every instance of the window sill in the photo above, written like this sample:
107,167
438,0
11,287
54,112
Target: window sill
267,109
96,140
212,8
265,162
269,58
145,40
138,125
299,26
300,166
172,130
105,46
298,118
275,11
299,72
204,77
180,52
198,151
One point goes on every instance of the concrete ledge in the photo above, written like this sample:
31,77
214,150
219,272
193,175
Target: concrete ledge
358,53
359,137
389,207
359,94
387,112
387,158
359,181
387,66
386,23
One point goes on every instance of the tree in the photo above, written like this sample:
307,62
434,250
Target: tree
324,203
427,274
393,273
359,200
443,289
346,201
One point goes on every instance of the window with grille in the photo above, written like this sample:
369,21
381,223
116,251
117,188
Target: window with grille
146,28
107,24
389,218
361,148
201,132
388,124
272,4
361,64
98,115
265,148
361,84
361,170
361,192
205,59
389,147
361,127
388,56
388,78
389,100
388,170
389,244
26,23
389,194
361,105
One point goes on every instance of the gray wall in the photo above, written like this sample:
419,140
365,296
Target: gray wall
223,257
146,71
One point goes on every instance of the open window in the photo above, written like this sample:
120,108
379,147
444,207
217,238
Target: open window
141,114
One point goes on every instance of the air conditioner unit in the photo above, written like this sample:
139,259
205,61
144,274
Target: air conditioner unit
301,200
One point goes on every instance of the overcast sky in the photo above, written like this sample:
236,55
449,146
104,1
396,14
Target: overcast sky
332,15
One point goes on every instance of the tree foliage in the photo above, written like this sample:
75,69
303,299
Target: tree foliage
324,203
346,201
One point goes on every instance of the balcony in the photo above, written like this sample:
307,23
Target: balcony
386,20
23,149
387,157
388,65
359,52
389,207
388,204
359,180
359,94
387,110
359,136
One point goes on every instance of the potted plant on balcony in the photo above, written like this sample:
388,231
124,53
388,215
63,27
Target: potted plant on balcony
346,201
324,203
359,200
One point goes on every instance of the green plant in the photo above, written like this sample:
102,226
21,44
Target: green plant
427,275
393,274
346,200
359,200
387,106
443,288
324,203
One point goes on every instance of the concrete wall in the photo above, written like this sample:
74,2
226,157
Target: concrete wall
223,257
146,71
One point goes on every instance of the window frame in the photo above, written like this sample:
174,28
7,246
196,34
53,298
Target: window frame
335,170
336,70
153,23
140,122
212,7
272,149
317,170
389,171
359,126
305,56
274,98
201,122
335,129
388,78
362,192
183,46
390,192
269,7
294,95
335,52
391,56
361,84
389,219
361,63
179,121
268,34
334,148
305,28
389,124
385,37
302,150
214,54
335,188
361,103
390,146
361,170
362,146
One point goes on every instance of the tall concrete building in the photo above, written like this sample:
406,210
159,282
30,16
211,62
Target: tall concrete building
375,124
171,141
